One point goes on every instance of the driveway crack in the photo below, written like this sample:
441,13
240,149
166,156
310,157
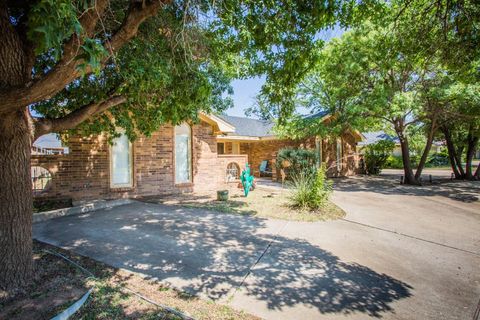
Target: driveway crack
250,269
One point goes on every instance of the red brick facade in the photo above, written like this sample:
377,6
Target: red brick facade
268,149
84,173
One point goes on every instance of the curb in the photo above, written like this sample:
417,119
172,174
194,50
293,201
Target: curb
84,208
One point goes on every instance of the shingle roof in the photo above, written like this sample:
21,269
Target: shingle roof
373,137
258,128
317,115
249,127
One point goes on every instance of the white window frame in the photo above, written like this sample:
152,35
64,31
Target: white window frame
130,154
339,153
190,169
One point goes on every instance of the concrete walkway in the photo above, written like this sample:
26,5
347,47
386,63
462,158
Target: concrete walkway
397,255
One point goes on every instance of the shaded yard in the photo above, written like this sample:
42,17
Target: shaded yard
384,260
58,284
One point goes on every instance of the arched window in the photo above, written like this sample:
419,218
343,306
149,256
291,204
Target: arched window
183,153
41,178
233,172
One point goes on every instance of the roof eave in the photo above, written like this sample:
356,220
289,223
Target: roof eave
244,138
220,125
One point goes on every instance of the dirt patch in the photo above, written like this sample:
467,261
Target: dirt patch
57,284
266,203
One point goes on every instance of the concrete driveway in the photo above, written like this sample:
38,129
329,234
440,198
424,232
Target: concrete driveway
400,253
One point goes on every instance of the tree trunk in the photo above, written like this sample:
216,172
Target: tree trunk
15,201
452,154
16,61
458,160
472,142
407,164
426,151
477,172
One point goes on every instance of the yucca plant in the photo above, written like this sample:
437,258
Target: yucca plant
310,191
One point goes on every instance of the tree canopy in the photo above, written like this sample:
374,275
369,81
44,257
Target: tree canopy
148,62
90,66
395,73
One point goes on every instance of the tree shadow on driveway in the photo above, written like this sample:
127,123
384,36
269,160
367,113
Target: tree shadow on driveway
463,191
297,272
209,254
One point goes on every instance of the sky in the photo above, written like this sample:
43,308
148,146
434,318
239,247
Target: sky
246,90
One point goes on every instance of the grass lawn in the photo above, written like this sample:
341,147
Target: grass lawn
261,202
58,283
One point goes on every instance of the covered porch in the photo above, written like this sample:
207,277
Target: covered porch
258,154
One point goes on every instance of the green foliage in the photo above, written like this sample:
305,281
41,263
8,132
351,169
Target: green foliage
296,162
50,22
311,190
438,159
398,71
182,60
376,156
92,54
161,78
444,29
394,162
280,39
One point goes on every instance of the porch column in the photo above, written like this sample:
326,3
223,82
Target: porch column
274,168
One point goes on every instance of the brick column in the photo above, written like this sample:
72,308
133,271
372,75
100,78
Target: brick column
274,168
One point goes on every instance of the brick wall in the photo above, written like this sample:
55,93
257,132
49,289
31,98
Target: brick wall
205,163
268,149
84,173
223,162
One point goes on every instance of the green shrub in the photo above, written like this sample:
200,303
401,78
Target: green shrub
376,155
438,159
300,160
311,191
394,162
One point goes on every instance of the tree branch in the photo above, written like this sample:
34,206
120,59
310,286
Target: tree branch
73,119
67,69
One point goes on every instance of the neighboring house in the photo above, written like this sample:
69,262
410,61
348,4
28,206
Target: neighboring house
174,159
376,136
48,144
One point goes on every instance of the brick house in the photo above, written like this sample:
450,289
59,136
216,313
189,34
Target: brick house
201,157
255,139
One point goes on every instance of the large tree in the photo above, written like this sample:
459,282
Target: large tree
395,72
460,125
95,65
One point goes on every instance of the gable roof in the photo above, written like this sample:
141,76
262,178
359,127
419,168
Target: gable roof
218,123
249,127
373,137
